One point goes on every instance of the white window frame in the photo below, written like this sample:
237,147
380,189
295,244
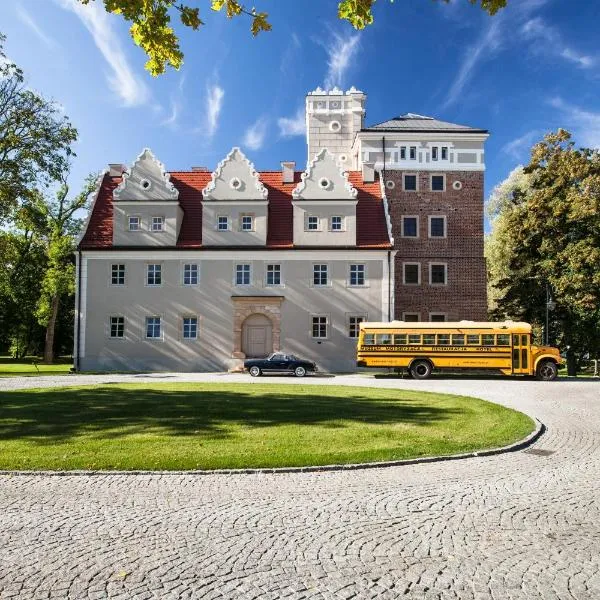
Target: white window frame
438,264
364,273
327,324
409,312
416,176
111,282
444,150
247,216
307,223
139,222
148,272
402,152
408,263
437,237
431,176
435,153
327,271
228,223
110,335
160,325
410,237
184,265
341,227
183,318
410,152
267,284
437,314
235,274
153,223
349,317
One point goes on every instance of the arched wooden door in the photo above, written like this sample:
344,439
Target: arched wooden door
257,336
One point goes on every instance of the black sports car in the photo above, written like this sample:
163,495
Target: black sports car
278,362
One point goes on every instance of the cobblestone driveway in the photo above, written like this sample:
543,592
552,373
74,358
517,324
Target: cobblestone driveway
520,525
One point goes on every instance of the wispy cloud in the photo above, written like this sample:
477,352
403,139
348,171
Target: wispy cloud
254,138
292,126
341,51
176,105
122,80
538,30
520,146
214,102
287,58
584,124
28,20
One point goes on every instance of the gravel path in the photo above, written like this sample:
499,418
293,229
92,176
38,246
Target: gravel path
519,525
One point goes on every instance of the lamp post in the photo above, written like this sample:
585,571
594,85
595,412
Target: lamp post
550,305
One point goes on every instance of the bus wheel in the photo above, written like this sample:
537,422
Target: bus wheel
420,369
547,370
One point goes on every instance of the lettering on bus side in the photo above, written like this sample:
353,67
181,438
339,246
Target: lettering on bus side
433,348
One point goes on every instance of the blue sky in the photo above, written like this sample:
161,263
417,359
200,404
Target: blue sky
532,68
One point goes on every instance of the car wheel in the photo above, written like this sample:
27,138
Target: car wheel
299,371
420,369
254,371
547,371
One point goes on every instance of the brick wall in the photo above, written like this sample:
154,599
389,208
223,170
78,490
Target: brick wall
464,296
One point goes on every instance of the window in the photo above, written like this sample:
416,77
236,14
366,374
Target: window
369,339
319,327
503,339
437,317
273,274
242,274
383,339
438,183
357,274
413,153
488,339
414,338
411,317
190,328
154,275
443,339
410,227
153,327
412,273
135,223
410,183
117,327
403,153
247,223
399,339
437,274
473,339
118,275
312,223
190,274
158,223
336,224
354,325
434,153
444,152
458,339
437,227
319,274
429,339
222,223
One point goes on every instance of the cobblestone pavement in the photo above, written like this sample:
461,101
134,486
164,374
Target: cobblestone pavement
519,525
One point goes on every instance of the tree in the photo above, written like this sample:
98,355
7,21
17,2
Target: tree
35,138
546,230
151,22
56,222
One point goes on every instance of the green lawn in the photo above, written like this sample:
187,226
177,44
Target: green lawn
211,426
9,367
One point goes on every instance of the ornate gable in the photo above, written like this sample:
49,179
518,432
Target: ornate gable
146,179
324,180
235,178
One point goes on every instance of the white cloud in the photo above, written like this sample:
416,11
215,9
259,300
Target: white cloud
27,19
584,124
537,30
287,58
296,125
521,145
176,105
123,81
340,56
214,103
254,137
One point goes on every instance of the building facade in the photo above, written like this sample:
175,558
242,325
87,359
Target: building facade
196,270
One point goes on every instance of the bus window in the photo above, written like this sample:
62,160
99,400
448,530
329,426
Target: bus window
503,339
524,340
399,339
473,340
458,339
383,339
369,339
488,339
429,339
516,340
414,338
443,339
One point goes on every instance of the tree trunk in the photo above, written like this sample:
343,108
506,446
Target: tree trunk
571,363
49,346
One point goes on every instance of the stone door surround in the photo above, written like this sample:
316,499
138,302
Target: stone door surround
244,306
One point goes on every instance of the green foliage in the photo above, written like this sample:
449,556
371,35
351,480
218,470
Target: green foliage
35,138
151,22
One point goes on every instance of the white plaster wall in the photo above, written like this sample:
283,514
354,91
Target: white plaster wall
235,237
324,210
170,210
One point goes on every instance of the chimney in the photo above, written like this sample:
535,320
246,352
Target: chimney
287,171
368,172
115,169
200,169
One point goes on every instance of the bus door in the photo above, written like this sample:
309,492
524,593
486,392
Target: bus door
520,354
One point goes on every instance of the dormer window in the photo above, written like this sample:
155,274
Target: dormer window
135,223
247,223
158,223
312,223
222,223
336,224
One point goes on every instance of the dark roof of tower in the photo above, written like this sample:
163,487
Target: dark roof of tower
411,122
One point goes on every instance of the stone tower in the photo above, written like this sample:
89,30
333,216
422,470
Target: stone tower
332,120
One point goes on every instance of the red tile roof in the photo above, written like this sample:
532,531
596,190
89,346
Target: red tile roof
370,215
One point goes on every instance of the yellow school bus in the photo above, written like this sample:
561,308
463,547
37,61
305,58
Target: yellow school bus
422,347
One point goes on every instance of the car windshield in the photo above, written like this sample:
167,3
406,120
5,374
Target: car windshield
277,356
